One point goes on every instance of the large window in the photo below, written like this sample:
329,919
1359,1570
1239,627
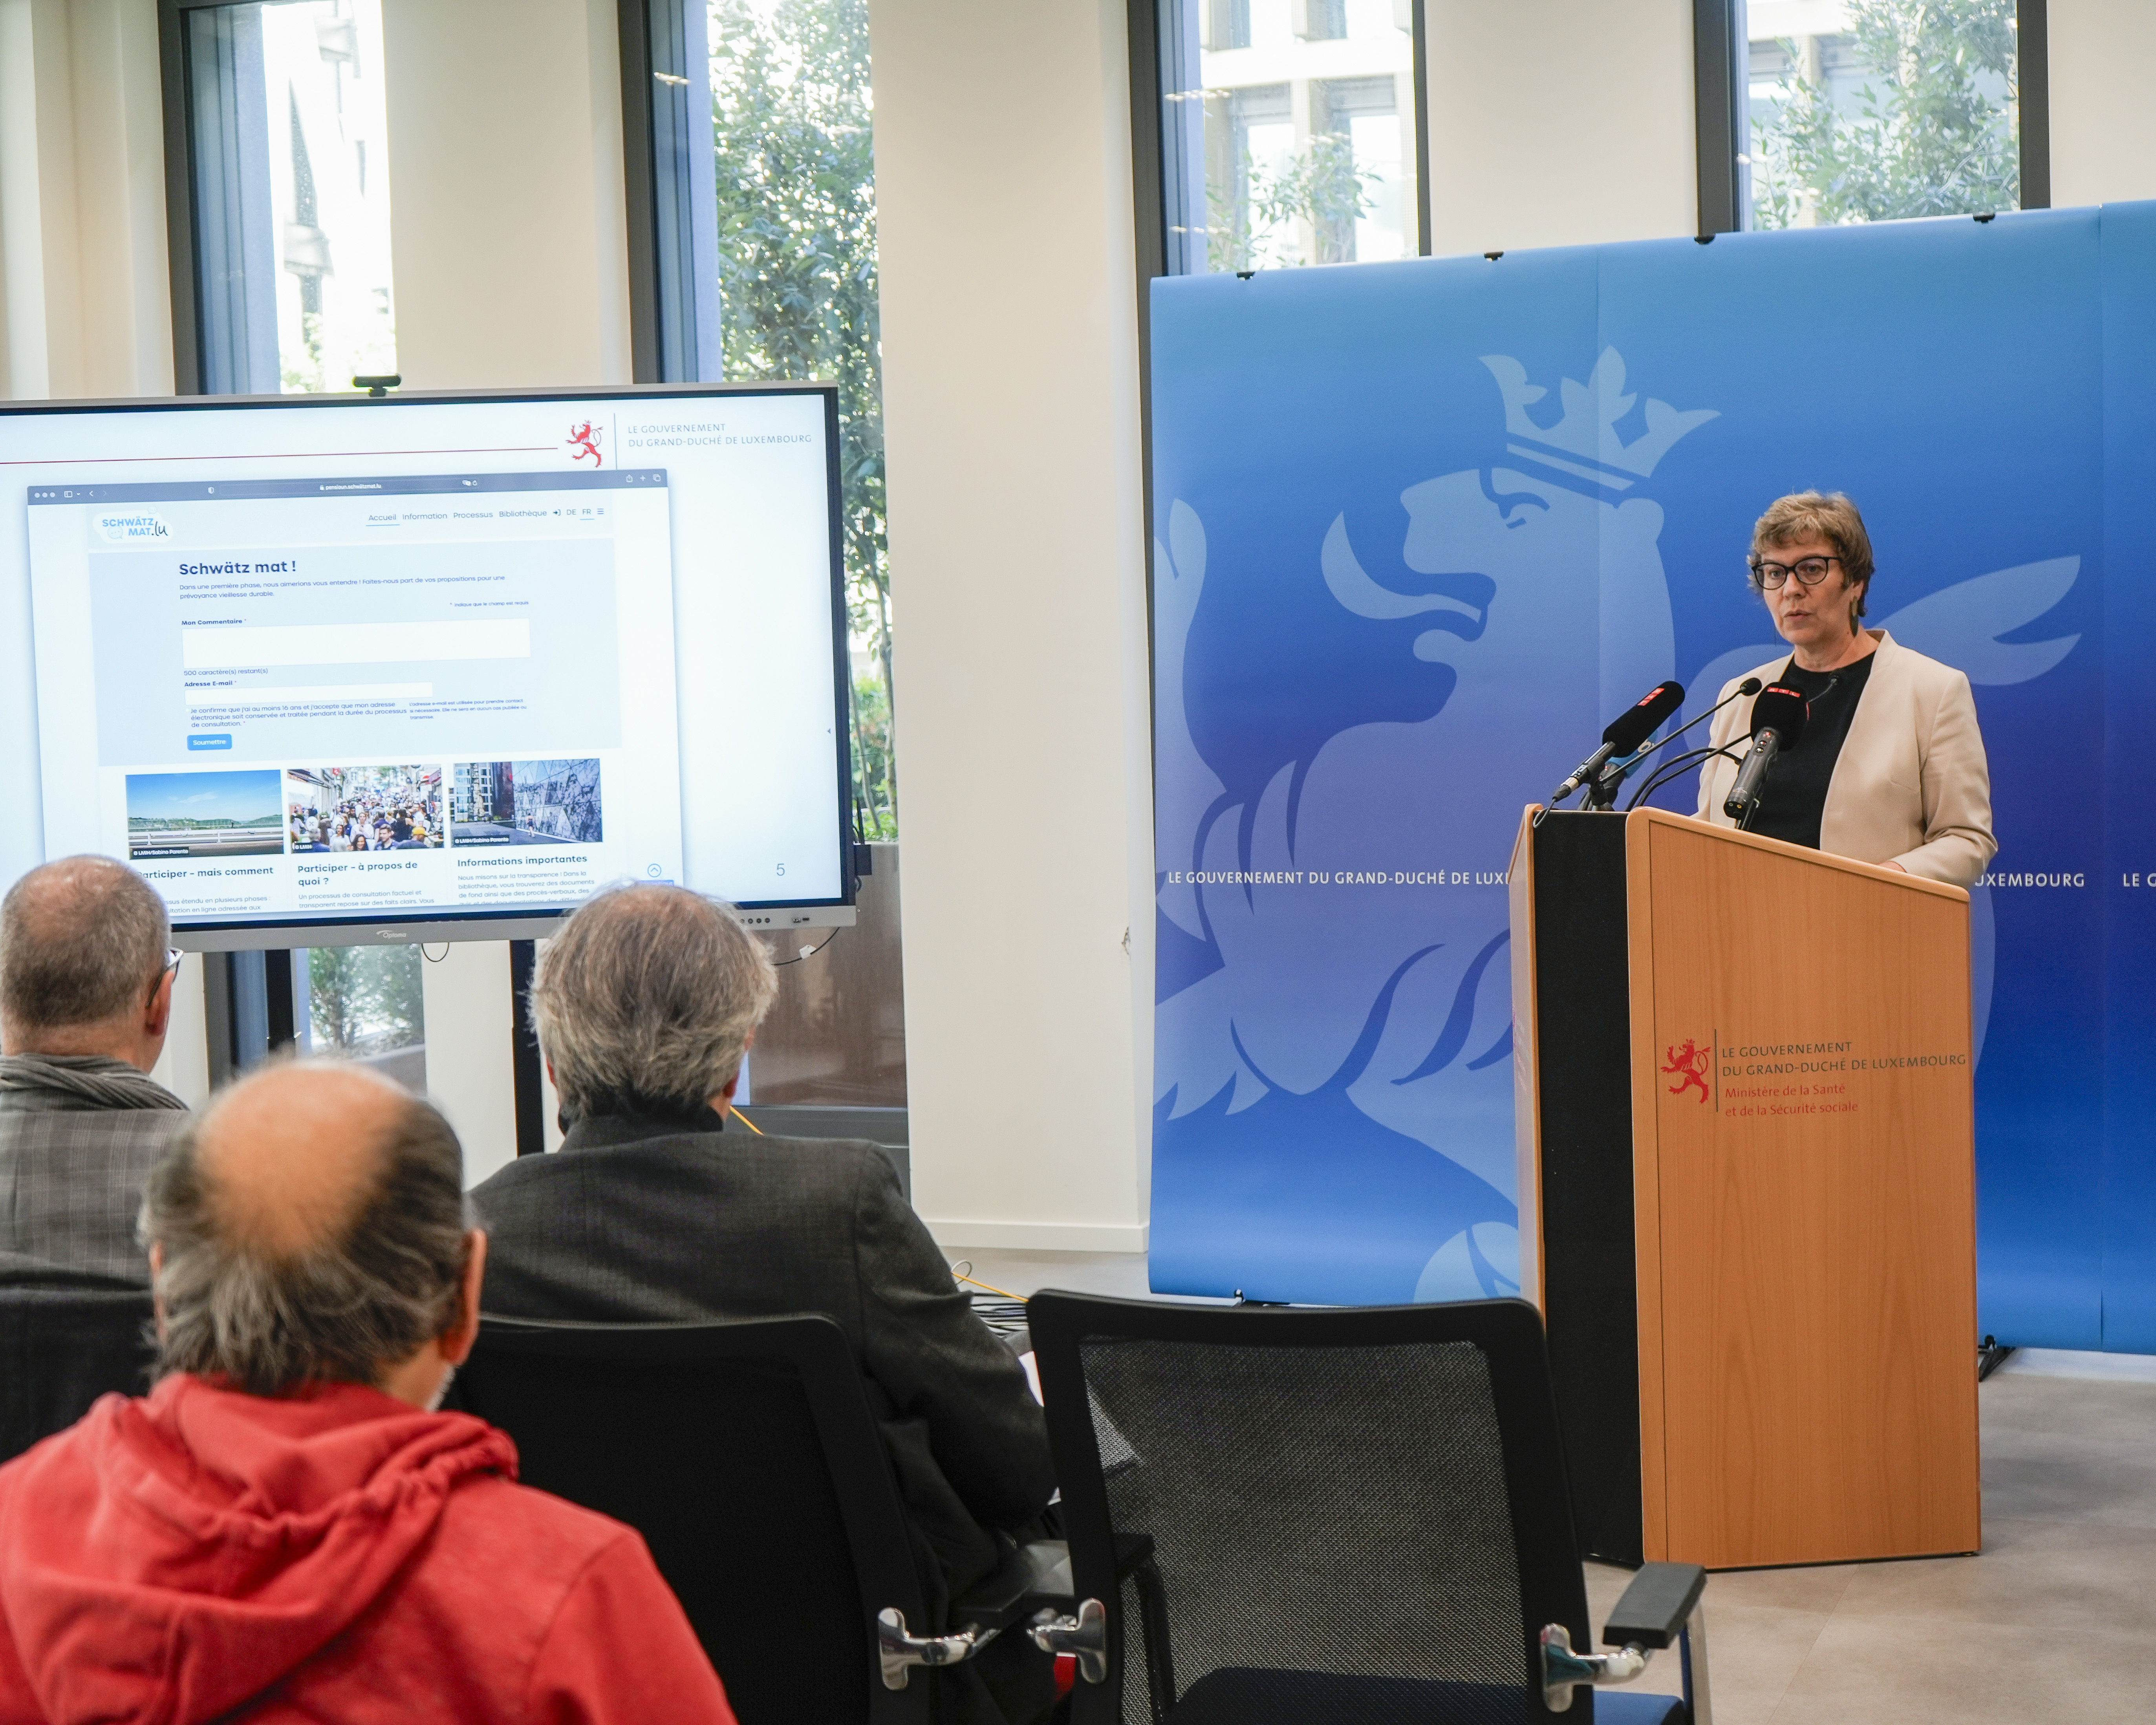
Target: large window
753,255
283,224
1288,132
1865,111
279,171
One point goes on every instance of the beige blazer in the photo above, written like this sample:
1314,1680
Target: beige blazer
1910,785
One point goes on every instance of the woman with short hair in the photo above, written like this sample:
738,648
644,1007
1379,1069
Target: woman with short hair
1890,768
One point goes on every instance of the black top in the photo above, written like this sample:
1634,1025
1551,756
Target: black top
1796,796
639,1219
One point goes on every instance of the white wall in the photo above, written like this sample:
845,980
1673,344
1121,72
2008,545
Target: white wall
1010,402
1560,122
469,1076
84,300
183,1068
506,207
2103,148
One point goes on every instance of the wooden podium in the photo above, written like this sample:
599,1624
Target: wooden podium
1748,1190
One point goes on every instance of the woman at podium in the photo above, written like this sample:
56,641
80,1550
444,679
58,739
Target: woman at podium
1889,766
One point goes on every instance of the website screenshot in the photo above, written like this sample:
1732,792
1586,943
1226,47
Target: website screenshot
337,698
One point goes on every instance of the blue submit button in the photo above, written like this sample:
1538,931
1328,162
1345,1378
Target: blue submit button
210,740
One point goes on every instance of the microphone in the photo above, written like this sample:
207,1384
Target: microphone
1750,686
1778,721
1669,769
1625,733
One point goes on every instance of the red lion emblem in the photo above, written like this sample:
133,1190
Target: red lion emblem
586,442
1689,1062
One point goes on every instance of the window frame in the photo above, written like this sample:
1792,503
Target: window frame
1720,121
1721,53
2032,82
182,215
655,349
1148,59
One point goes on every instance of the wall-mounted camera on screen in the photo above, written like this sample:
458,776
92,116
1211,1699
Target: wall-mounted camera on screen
526,802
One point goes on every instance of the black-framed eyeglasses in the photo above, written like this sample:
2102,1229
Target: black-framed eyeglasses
1808,571
174,958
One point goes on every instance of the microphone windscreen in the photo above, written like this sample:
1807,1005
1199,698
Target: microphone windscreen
1636,724
1750,686
1781,709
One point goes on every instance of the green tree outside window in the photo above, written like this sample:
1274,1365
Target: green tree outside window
1933,129
1319,184
365,1000
792,120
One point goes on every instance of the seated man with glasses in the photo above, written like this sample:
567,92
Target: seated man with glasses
1889,766
86,997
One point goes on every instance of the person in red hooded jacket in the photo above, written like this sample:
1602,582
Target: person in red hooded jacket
284,1530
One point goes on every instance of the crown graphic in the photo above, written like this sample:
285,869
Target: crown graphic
1589,429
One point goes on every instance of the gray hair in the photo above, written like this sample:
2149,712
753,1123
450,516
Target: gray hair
82,940
342,1309
645,1001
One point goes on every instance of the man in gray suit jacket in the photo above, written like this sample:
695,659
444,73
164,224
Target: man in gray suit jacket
86,997
652,1211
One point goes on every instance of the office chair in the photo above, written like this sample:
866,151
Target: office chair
1357,1515
747,1454
61,1348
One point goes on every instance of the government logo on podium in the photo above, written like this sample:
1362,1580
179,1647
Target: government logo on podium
1689,1066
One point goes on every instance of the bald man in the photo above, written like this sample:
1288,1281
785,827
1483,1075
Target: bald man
86,997
284,1529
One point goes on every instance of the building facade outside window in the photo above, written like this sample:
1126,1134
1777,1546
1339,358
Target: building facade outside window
1288,132
1865,111
289,180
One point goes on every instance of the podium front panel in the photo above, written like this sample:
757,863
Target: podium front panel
1804,1204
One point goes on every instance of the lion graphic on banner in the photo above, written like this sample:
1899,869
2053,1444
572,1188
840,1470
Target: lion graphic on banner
1298,1002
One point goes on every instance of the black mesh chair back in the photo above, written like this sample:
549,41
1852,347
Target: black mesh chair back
60,1349
746,1455
1357,1515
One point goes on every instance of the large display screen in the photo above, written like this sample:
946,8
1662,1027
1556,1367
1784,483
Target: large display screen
427,659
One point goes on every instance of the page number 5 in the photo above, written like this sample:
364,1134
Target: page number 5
782,868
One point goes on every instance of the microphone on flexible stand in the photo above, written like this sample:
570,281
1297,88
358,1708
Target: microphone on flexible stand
1778,721
1624,733
1607,787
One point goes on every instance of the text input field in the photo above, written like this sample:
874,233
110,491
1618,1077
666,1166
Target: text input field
353,642
310,695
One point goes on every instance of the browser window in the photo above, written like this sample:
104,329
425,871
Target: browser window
449,668
280,696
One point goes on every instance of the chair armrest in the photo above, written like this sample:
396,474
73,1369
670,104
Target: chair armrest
1656,1606
1032,1577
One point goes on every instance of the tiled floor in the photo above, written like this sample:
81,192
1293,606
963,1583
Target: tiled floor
2055,1621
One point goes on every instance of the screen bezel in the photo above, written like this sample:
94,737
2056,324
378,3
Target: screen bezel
524,923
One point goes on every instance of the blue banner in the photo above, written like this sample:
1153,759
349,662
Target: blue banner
1423,528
